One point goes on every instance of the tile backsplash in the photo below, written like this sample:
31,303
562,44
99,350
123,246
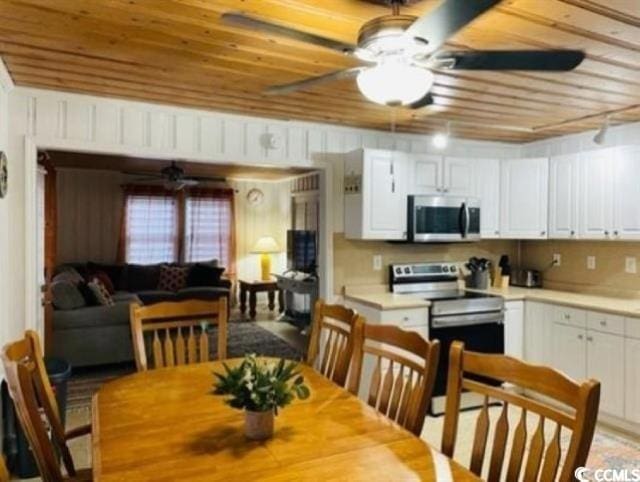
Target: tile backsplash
353,260
608,277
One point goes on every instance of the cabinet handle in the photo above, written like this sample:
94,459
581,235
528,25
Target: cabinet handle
615,233
497,232
589,338
393,186
567,316
580,337
405,318
446,189
603,323
606,233
573,233
543,233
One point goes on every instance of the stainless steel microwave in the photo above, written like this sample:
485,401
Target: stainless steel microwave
443,219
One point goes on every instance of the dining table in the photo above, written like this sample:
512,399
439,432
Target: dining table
167,425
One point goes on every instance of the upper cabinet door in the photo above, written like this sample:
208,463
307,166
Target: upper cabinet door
488,190
524,198
596,199
563,197
427,177
459,174
626,193
387,184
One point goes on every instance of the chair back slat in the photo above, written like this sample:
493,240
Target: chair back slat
36,405
401,383
480,438
517,448
4,473
499,445
180,350
330,343
165,323
552,457
542,462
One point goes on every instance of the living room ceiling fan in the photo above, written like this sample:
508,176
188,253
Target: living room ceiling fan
174,177
400,52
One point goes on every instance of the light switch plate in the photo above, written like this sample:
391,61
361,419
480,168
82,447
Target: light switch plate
377,262
630,265
557,259
591,262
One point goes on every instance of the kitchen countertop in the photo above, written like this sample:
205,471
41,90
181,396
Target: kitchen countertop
610,304
378,297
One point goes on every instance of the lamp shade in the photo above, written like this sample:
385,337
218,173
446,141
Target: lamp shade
394,83
266,244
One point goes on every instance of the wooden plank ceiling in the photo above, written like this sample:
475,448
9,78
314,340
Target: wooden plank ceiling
178,52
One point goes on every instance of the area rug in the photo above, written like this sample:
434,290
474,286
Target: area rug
242,338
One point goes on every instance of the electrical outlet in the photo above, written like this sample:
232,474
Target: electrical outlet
591,262
557,259
377,262
630,265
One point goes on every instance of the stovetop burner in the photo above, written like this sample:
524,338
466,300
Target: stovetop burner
453,295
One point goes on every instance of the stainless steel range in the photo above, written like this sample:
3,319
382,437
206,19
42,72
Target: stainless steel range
455,314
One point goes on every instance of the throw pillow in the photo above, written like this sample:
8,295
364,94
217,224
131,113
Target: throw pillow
113,271
68,274
105,280
86,292
100,292
204,275
173,278
66,296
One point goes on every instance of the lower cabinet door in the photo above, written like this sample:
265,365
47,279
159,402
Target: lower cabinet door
569,350
632,380
605,363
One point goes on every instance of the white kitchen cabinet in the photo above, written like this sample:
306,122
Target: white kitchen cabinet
596,197
437,175
563,197
376,194
626,193
606,363
514,328
524,195
632,379
427,174
538,328
487,189
569,350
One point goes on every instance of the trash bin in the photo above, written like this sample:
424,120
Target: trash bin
16,449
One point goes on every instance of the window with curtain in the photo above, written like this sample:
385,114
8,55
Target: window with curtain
151,227
209,227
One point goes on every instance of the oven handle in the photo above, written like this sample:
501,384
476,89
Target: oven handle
467,320
467,218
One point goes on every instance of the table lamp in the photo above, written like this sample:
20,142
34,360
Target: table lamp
265,246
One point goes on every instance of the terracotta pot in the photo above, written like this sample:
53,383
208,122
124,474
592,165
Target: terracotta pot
258,425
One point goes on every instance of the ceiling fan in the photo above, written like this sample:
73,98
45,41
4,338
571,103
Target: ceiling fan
173,177
400,52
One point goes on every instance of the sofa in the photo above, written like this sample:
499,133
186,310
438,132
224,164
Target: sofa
86,333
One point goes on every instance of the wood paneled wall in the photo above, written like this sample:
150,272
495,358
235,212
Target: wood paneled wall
89,215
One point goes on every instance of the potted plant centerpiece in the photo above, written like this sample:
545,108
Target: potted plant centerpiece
260,387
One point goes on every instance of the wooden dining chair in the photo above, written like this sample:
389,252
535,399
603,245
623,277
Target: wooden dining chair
544,453
176,332
330,343
4,472
403,371
38,411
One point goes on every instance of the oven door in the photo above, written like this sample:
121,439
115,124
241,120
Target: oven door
443,219
481,332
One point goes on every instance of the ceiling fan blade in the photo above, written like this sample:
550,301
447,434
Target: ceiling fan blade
303,84
241,20
445,20
545,60
423,102
148,175
206,178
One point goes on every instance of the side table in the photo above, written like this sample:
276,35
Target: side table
253,288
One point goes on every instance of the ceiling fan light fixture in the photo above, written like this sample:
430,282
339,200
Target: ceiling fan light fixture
394,83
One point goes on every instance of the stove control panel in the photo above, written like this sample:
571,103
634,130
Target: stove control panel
423,270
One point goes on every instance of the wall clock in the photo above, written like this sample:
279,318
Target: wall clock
255,196
4,174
